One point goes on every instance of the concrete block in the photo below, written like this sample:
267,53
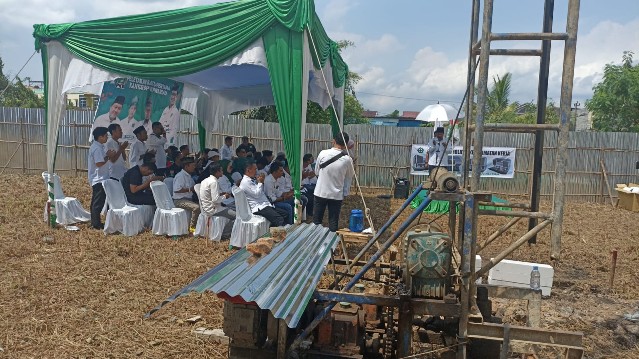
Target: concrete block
517,274
213,335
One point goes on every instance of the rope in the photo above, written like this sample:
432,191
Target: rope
16,76
359,188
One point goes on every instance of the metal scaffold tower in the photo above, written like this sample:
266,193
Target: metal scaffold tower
480,52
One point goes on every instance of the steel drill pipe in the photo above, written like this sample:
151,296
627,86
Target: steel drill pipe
542,97
570,50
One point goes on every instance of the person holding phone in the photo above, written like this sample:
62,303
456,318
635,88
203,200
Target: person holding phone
138,190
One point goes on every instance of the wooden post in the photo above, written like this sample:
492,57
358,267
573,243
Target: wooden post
613,268
24,148
357,161
282,331
601,177
605,175
75,147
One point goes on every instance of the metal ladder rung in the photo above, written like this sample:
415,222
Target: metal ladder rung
511,52
528,36
517,127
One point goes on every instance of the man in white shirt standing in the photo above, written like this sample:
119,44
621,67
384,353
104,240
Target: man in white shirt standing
278,196
212,199
258,202
117,162
138,148
183,188
335,172
156,142
106,119
226,152
98,172
438,150
170,117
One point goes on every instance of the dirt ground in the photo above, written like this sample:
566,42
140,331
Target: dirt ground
84,296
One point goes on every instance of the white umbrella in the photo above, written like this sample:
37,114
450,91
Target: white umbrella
439,113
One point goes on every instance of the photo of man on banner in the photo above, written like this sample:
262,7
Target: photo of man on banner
170,118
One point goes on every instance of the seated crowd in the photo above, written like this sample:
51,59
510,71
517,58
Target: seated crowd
264,179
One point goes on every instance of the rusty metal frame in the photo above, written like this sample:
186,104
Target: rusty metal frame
572,341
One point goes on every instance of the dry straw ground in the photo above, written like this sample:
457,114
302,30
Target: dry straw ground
85,295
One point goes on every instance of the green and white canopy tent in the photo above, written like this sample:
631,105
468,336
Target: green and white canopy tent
230,56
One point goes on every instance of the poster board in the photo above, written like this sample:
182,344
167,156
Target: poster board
133,102
497,162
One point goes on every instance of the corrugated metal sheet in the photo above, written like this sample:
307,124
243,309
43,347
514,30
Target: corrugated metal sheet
282,281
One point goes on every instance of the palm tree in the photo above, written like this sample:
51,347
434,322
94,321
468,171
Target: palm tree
498,107
498,96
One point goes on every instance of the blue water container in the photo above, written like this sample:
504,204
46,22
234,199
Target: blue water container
356,221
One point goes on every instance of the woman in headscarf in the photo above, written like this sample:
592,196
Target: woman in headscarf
225,184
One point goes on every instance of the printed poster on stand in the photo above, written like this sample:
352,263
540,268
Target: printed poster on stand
496,162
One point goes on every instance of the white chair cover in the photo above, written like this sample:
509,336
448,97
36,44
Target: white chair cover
169,184
248,226
121,217
168,220
147,213
207,226
68,210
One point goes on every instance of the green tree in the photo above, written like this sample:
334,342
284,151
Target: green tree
499,109
314,113
16,94
498,106
393,114
615,102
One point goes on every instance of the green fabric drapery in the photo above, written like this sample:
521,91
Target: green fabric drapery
186,41
285,56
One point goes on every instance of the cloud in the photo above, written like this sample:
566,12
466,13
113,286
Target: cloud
20,15
432,76
334,13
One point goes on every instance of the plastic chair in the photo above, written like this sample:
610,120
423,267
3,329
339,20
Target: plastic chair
168,220
207,226
248,226
68,210
121,217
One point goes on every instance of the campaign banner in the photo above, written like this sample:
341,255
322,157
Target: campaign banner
497,162
133,102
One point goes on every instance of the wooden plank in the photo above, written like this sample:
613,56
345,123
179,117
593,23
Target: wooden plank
605,174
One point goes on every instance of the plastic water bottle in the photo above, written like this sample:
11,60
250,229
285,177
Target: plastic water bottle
535,279
356,221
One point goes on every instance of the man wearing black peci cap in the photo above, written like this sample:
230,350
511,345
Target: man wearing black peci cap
247,146
138,148
438,150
